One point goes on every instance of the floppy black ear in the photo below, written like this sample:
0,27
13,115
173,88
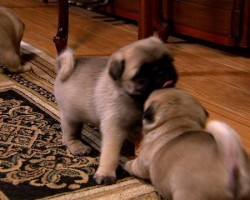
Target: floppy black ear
116,69
149,113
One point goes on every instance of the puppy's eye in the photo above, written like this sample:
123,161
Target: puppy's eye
149,114
141,80
206,112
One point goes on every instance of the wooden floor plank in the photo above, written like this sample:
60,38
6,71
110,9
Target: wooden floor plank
232,57
192,65
220,95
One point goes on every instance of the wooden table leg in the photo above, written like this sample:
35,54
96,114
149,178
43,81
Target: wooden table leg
61,37
145,19
163,27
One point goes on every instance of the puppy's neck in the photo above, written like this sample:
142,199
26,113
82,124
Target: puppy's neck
173,125
166,131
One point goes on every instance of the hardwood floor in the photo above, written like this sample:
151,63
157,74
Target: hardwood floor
218,77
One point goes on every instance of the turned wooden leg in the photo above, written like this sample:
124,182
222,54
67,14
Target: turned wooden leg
145,19
163,27
61,37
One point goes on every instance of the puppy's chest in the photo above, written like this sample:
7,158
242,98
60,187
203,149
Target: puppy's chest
134,109
133,118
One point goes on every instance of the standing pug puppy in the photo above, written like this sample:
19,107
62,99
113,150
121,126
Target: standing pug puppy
181,159
11,34
110,92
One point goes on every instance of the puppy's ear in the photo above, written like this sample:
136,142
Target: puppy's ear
148,114
202,120
116,69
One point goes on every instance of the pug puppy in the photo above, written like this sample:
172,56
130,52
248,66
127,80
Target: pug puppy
110,93
181,159
11,33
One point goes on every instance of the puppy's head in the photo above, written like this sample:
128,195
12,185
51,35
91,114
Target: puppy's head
143,66
167,105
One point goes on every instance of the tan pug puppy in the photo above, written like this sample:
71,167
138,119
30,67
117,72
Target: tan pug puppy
181,159
11,33
110,93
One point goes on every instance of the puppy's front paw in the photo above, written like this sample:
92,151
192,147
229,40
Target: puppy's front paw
25,68
19,69
104,179
128,166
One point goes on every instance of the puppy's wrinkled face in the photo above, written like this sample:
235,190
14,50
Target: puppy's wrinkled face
142,67
170,104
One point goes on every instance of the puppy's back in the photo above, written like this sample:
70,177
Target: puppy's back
11,26
75,85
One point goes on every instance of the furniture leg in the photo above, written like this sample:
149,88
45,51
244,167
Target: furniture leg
61,37
163,28
145,19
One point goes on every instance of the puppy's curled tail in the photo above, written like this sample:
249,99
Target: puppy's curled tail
65,64
235,159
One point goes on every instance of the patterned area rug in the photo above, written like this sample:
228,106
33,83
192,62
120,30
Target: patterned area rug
33,162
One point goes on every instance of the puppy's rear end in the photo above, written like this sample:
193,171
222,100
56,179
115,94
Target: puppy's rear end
65,64
234,158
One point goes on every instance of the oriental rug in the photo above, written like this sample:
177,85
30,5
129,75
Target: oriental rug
33,162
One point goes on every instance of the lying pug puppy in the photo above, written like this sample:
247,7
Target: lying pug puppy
181,159
110,93
11,33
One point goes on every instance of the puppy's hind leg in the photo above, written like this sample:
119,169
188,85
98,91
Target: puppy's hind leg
71,137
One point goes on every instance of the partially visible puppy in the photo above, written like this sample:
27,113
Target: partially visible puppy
110,93
11,33
181,159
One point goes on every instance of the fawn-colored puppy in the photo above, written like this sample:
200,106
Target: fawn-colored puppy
11,33
182,160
